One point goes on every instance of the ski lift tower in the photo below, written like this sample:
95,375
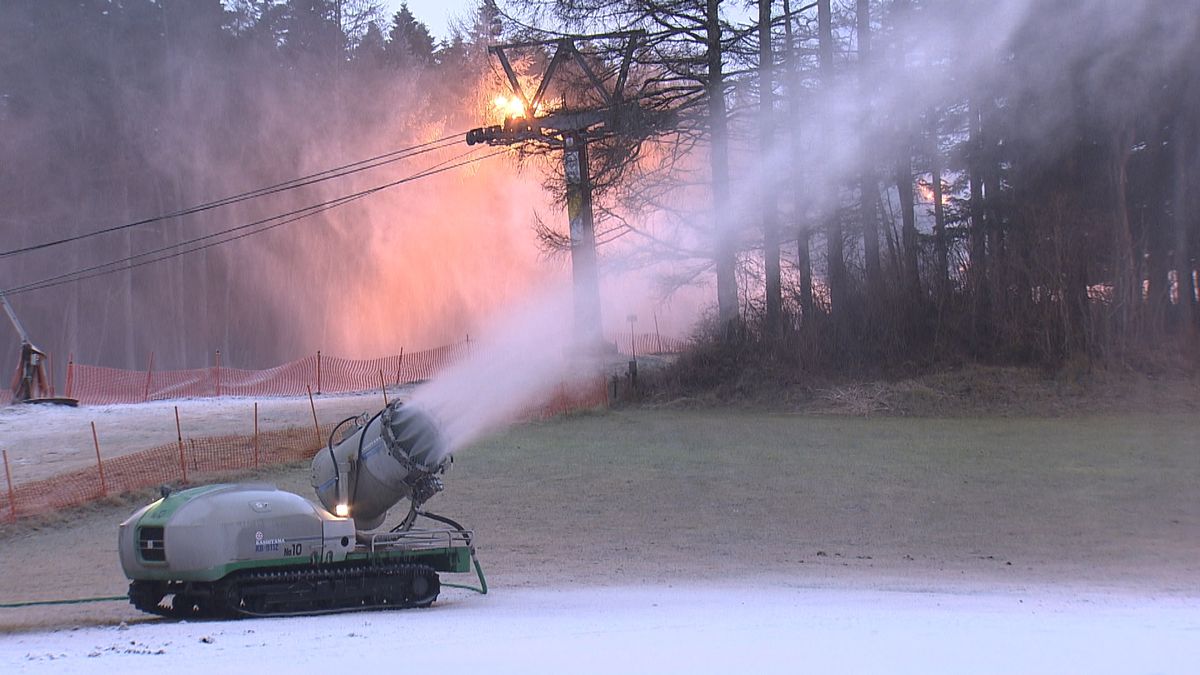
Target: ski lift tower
571,130
30,384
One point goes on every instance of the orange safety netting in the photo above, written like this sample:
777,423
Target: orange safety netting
179,462
321,374
189,460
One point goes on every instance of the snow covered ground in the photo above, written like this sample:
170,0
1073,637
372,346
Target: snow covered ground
44,441
679,629
883,545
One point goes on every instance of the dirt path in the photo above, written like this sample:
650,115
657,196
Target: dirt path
1095,505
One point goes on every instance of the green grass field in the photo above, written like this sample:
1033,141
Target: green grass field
657,496
1111,501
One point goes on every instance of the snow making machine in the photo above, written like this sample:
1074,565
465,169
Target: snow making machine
250,549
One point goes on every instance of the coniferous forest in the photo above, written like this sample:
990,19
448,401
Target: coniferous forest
854,184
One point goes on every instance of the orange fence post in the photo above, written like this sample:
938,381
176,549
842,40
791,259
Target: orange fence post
99,464
316,427
218,373
70,373
383,386
256,434
149,374
318,376
398,362
179,437
12,500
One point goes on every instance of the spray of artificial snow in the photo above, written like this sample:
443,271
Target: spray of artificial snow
519,363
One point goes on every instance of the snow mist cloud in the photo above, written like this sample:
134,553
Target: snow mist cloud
525,355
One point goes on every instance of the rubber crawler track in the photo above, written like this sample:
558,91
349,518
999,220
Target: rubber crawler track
292,592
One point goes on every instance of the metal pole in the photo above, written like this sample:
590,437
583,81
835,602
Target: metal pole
70,373
179,438
256,434
318,375
632,337
99,464
583,240
316,426
149,374
218,373
657,334
383,386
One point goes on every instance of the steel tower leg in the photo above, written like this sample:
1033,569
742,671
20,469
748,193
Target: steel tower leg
583,241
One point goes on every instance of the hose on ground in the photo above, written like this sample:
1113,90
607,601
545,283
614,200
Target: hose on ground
74,601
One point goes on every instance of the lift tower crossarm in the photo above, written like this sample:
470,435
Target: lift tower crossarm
546,78
30,382
512,76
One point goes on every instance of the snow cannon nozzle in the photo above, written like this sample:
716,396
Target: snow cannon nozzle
391,456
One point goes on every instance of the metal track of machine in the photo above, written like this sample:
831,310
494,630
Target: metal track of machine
292,591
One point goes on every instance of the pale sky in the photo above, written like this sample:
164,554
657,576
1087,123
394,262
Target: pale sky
436,14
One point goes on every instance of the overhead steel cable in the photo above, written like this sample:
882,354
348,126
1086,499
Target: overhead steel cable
303,181
283,219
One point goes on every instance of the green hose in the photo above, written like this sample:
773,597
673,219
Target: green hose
77,601
482,589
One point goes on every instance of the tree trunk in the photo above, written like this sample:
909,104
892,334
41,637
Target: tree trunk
803,233
977,272
903,175
941,247
835,257
908,233
724,235
770,214
889,235
1183,204
999,269
804,263
1156,234
1127,291
1157,257
868,185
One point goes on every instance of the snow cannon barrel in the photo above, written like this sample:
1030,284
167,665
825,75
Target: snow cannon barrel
395,455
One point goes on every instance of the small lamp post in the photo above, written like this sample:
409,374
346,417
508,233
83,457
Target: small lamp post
632,318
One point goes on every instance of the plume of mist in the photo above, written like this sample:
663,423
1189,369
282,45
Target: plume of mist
423,264
929,59
410,268
523,358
